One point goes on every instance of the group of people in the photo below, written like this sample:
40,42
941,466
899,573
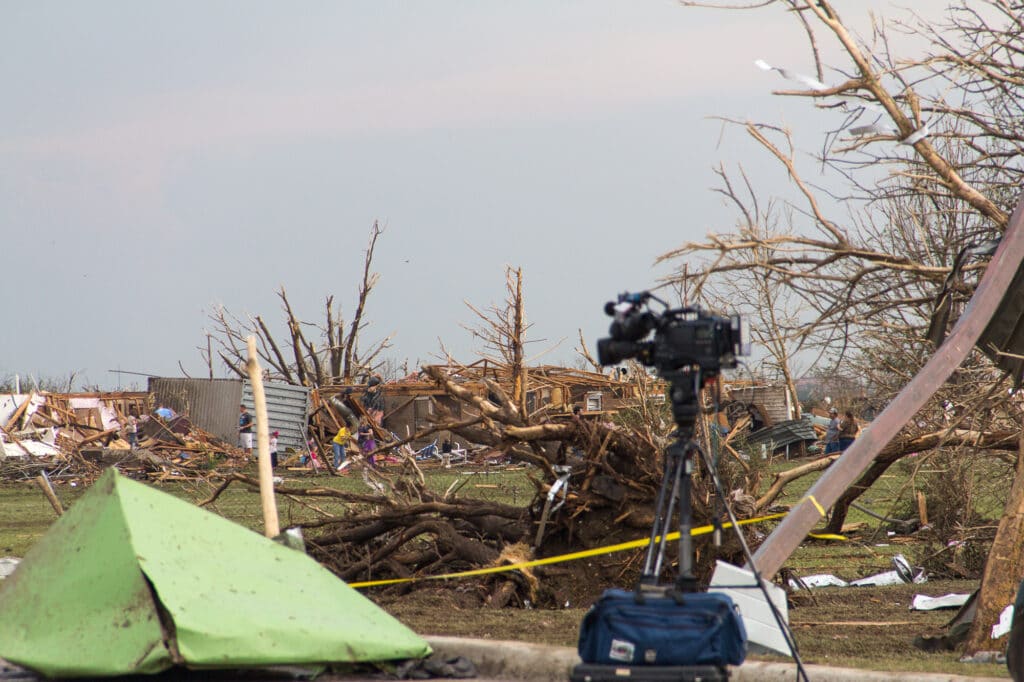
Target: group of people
365,441
840,433
245,434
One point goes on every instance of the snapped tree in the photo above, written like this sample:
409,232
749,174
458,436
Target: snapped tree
338,359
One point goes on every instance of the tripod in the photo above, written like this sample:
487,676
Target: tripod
685,386
676,484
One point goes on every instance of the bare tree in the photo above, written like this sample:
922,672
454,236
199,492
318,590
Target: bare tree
338,360
502,329
922,160
771,308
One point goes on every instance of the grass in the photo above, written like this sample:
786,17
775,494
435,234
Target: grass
27,514
826,628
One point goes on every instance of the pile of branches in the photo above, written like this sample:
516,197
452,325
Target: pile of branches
404,530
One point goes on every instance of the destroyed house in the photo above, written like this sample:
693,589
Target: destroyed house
770,402
409,404
43,424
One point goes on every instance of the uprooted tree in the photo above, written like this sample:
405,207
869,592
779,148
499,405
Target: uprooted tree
314,354
403,529
922,164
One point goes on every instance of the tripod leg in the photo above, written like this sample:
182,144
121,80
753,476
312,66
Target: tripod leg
662,516
686,581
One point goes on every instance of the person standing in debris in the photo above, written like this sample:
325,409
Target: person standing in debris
446,452
367,443
338,444
132,430
373,398
273,449
245,430
832,432
312,458
848,431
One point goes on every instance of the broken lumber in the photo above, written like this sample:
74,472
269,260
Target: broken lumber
18,412
44,483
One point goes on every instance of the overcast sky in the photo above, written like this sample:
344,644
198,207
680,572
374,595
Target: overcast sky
160,159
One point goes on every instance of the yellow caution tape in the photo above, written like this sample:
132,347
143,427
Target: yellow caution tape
817,505
827,536
609,549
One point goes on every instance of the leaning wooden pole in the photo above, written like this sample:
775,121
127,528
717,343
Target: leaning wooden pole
44,484
259,397
1001,271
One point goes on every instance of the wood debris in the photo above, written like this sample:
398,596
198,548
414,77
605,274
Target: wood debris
76,435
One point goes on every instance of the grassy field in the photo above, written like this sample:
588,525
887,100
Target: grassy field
26,513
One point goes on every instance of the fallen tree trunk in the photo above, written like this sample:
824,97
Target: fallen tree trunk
904,447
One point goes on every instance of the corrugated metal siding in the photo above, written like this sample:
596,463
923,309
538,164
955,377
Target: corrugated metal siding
287,411
211,404
783,434
773,399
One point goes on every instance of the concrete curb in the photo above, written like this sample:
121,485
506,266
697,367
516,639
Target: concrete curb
785,672
542,663
510,660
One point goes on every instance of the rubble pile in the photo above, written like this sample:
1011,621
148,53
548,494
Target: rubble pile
76,436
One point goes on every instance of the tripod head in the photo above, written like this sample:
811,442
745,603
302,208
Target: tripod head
684,387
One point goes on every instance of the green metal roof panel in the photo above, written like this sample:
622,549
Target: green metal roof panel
265,603
80,604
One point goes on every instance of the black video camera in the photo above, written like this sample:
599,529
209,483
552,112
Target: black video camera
683,337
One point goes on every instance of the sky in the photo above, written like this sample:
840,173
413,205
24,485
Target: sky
162,159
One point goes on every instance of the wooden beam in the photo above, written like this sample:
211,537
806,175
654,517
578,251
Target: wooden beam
1001,271
44,483
12,422
97,436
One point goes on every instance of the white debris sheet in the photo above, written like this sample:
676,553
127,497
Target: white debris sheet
947,601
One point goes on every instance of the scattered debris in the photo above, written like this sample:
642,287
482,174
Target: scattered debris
74,436
948,601
7,565
1005,621
817,580
902,573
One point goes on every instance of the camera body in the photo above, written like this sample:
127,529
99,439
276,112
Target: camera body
683,337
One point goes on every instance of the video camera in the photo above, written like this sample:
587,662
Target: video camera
683,337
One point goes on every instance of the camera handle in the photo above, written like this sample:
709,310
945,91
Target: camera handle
676,484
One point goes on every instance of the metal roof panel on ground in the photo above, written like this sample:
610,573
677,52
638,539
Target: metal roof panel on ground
784,433
133,580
